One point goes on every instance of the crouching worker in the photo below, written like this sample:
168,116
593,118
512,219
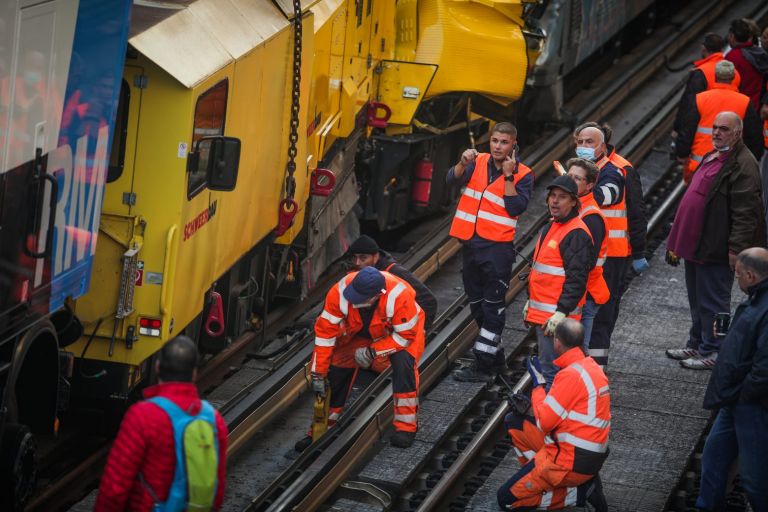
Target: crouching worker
370,320
563,445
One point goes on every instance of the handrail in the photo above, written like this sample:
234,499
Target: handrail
169,273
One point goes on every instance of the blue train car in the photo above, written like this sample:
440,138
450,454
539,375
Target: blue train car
61,63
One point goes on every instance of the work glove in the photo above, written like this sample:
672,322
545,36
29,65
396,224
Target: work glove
519,403
672,258
640,265
534,370
553,322
319,384
364,356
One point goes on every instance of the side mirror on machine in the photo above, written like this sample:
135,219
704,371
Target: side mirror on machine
219,158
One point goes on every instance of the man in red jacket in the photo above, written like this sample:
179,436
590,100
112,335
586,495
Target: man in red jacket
143,455
750,60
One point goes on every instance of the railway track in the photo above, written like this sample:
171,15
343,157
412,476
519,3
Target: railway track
259,401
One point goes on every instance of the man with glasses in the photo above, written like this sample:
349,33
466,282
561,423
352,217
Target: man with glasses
720,215
365,252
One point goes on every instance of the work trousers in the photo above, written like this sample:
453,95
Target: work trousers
588,312
405,382
540,483
615,274
486,274
709,292
738,431
546,356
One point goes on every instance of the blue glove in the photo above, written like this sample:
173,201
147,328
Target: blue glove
534,370
640,265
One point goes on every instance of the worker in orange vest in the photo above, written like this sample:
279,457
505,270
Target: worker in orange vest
370,320
497,190
695,135
562,448
702,76
562,260
584,173
610,193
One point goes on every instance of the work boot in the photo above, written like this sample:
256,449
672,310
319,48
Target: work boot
483,369
595,495
302,444
402,439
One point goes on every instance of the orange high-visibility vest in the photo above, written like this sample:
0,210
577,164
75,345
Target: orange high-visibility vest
397,324
707,66
596,285
710,103
765,134
547,277
575,415
616,219
481,207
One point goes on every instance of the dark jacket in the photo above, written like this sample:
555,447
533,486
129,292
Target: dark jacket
734,219
689,118
696,83
741,372
424,296
576,251
636,216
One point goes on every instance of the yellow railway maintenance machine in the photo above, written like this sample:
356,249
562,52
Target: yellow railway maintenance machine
244,139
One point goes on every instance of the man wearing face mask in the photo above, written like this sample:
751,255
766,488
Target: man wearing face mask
557,284
370,315
695,131
720,215
609,194
497,189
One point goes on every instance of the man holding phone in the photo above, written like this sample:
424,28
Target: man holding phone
497,190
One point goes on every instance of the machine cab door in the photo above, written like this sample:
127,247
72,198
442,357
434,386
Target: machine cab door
119,196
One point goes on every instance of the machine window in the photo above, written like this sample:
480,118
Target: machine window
209,120
117,155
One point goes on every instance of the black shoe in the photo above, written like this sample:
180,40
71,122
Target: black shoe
596,497
475,372
402,439
302,444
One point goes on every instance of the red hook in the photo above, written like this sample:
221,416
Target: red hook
288,210
214,324
323,181
376,121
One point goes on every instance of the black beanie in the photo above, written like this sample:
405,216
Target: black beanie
364,245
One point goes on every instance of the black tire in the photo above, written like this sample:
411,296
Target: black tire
18,468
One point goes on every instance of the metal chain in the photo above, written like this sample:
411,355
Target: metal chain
293,137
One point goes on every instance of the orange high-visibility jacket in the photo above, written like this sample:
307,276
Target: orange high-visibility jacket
397,323
547,277
596,285
481,206
707,66
709,103
616,219
576,414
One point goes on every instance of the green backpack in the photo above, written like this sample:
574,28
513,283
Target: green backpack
197,459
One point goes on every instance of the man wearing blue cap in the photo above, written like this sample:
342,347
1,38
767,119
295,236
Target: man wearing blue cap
370,320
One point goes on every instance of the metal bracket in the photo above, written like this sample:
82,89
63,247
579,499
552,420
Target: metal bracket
371,490
129,198
140,81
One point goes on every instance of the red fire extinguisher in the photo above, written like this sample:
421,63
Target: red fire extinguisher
422,183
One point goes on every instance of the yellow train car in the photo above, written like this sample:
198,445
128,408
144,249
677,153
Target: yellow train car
382,86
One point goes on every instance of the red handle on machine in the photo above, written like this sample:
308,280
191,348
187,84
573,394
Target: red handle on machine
288,210
319,175
214,324
374,120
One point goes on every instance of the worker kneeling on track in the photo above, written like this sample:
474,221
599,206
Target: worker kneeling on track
563,446
370,320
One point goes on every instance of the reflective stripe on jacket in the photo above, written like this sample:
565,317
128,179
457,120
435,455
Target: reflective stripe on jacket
707,67
596,285
481,206
710,103
616,220
547,277
576,414
397,324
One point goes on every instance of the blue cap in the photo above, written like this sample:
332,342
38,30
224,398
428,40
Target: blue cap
367,283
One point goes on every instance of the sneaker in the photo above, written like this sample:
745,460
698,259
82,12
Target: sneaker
302,444
596,496
682,353
700,362
475,372
402,439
